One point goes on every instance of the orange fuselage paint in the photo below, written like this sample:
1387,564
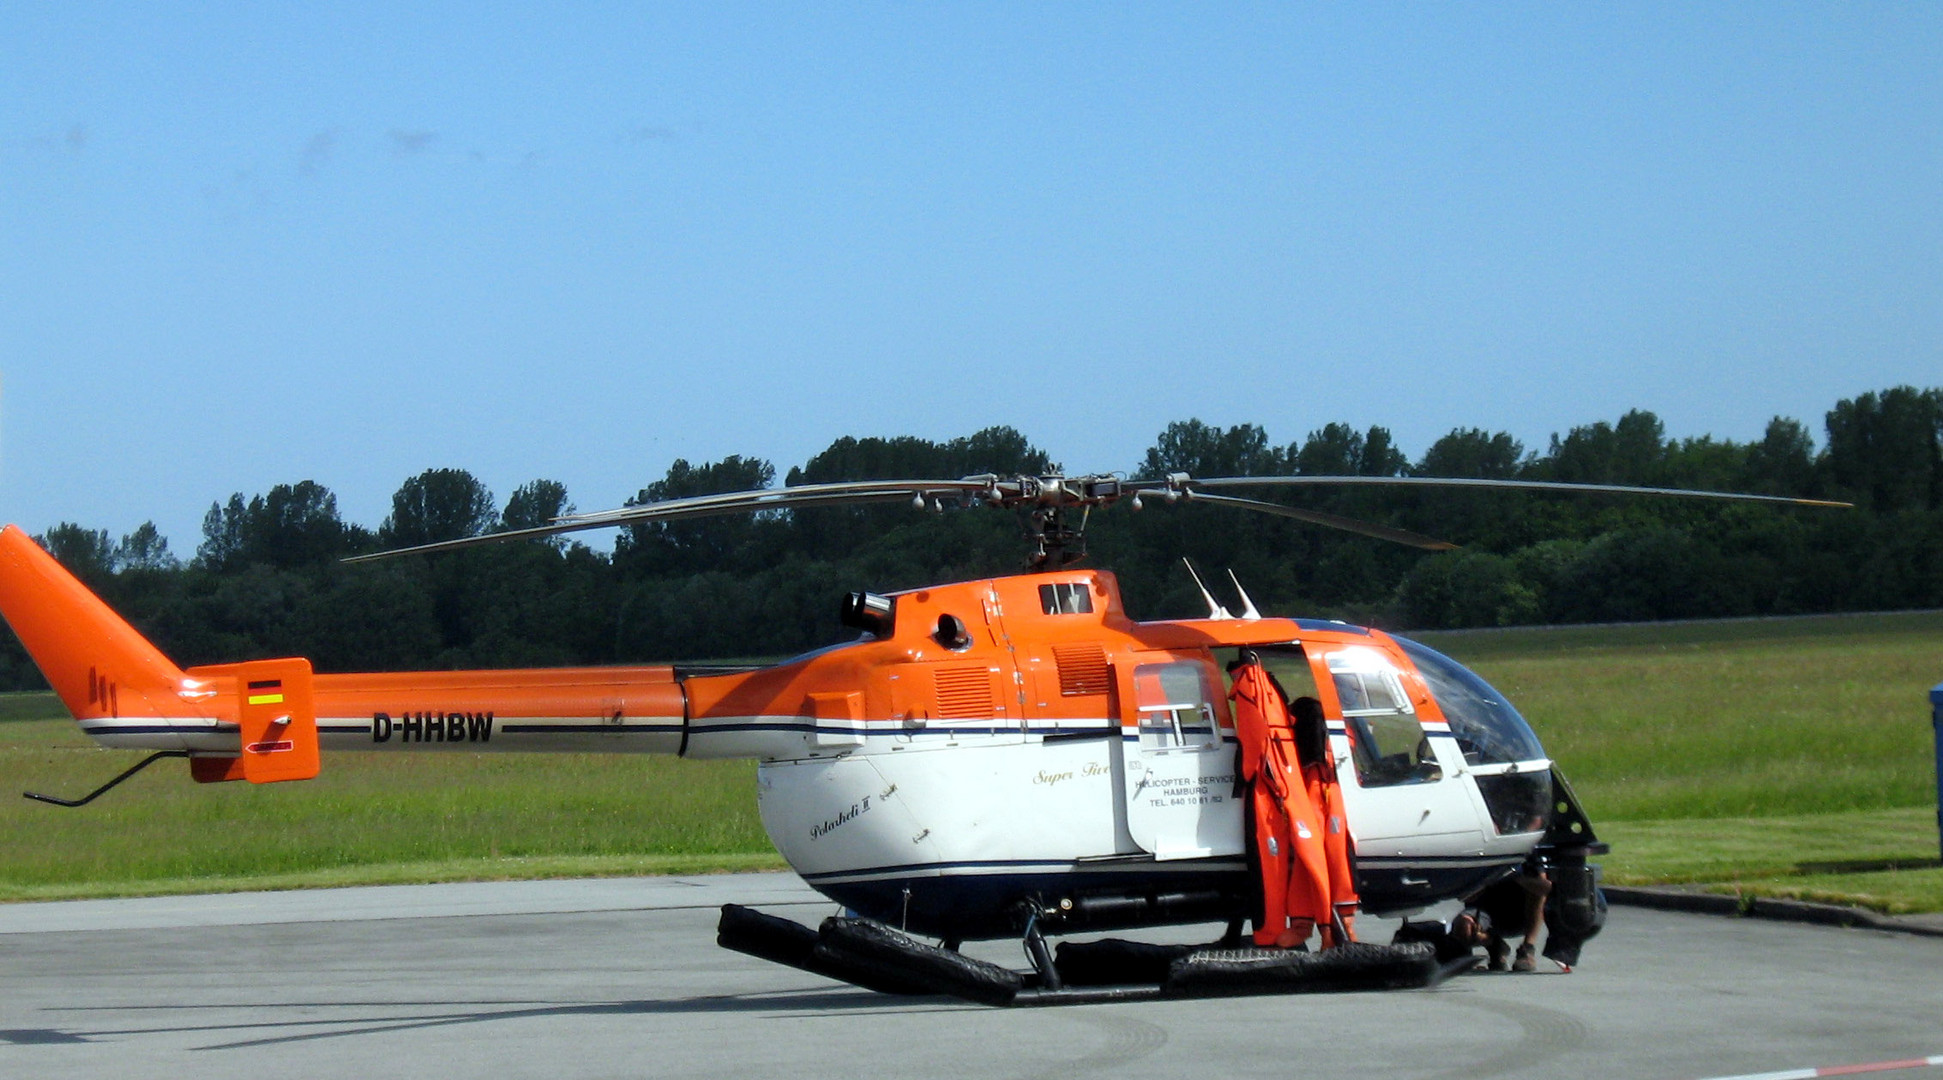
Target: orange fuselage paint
1035,653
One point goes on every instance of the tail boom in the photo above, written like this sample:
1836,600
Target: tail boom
588,710
272,715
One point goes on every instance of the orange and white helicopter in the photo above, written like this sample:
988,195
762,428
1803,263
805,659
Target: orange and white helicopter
1006,757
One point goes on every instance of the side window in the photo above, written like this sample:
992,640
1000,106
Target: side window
1390,745
1065,598
1285,662
1175,706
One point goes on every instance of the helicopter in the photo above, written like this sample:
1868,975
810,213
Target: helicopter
1006,757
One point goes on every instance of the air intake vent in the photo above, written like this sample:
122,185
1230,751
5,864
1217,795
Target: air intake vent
1082,669
964,693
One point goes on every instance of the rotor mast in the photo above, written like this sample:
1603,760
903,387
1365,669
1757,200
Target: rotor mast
1046,502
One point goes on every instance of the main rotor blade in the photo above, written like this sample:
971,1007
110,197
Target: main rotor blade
847,493
1331,521
1053,493
834,494
470,541
1471,482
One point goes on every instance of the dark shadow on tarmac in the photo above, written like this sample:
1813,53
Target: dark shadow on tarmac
785,1004
381,1016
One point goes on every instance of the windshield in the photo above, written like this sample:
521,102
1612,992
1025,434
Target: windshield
1488,729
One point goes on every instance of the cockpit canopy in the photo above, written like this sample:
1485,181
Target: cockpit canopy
1503,754
1488,729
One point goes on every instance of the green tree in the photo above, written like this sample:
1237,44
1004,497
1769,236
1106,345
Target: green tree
1633,575
700,544
535,504
144,549
1490,519
373,617
1886,450
1632,451
293,525
835,533
1206,450
1332,450
87,553
999,450
1473,453
438,504
1466,588
1704,463
222,534
1783,462
1381,456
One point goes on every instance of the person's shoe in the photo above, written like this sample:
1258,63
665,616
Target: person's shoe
1498,951
1527,958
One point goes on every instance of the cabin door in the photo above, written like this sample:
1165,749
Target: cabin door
1180,758
1402,803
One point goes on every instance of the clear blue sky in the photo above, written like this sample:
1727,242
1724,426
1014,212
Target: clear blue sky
242,245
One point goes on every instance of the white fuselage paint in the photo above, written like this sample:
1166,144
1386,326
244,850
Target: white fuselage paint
941,803
849,801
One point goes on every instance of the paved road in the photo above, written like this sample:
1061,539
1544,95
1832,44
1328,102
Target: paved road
621,978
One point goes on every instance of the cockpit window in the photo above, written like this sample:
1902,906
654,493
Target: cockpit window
1388,741
1488,729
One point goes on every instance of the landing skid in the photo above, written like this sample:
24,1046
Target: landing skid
868,954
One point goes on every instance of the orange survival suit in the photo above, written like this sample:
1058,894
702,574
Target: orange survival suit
1301,832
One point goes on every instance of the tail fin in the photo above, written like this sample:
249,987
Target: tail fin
253,721
98,664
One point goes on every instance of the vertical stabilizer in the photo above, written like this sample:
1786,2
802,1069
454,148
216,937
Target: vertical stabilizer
98,664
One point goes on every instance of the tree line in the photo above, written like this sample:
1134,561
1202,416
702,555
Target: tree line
266,578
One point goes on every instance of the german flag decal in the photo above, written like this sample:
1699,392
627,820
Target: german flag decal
276,720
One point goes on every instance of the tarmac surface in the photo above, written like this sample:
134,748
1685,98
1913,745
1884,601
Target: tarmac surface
622,978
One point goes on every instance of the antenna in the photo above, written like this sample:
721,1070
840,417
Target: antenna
1215,611
1248,611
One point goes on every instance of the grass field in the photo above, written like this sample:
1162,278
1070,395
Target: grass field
1789,757
1755,718
1782,757
367,818
1883,859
